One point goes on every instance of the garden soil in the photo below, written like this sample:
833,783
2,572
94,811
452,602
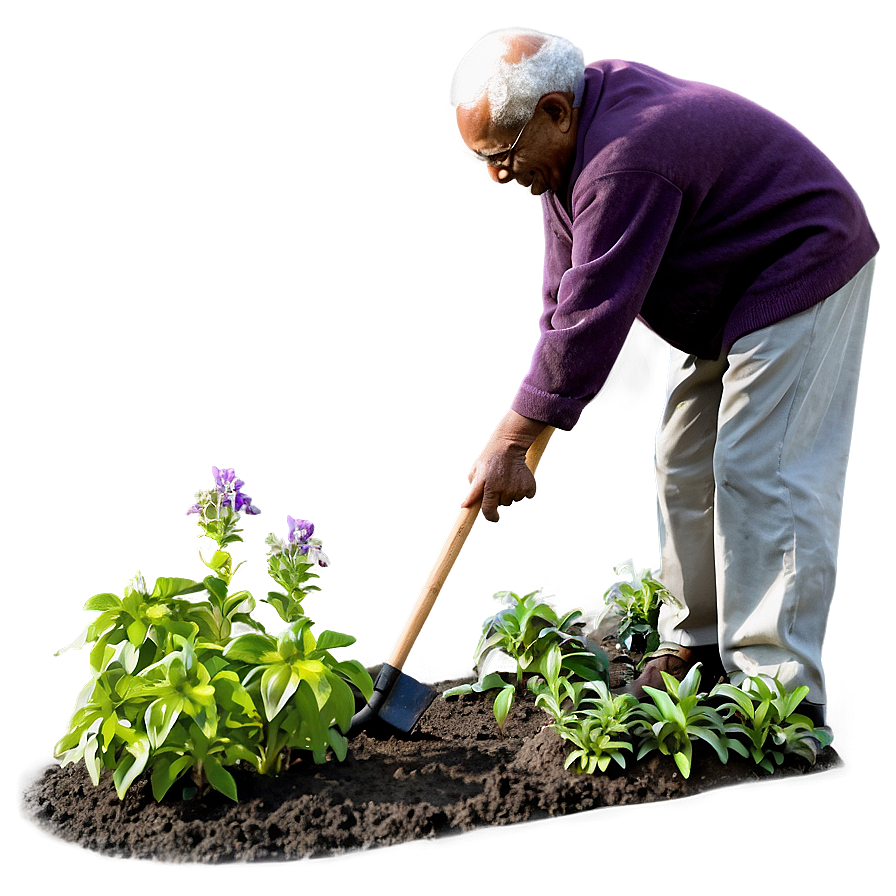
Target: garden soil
453,773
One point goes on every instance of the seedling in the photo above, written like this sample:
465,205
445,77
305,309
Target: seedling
678,716
597,723
765,719
531,633
634,607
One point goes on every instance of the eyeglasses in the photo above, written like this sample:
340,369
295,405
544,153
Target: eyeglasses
501,159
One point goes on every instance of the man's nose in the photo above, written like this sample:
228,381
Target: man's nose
500,175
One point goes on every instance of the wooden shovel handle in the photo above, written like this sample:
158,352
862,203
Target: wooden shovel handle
459,532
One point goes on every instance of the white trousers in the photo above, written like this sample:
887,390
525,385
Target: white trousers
751,459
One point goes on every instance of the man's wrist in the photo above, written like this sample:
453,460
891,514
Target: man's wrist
518,431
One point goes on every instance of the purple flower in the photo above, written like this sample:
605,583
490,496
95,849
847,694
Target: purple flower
299,532
228,487
225,478
244,504
195,509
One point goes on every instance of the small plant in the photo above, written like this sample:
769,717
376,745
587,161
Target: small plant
763,715
678,716
527,630
598,724
636,605
175,689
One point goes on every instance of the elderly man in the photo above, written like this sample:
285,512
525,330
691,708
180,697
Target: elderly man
730,235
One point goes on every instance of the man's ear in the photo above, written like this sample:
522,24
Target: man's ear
559,107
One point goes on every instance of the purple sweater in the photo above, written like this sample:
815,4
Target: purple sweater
692,208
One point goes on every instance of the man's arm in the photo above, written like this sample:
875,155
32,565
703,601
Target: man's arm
594,290
500,475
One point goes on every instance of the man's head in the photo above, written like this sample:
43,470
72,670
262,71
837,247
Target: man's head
516,93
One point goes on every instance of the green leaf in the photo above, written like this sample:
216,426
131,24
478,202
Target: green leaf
216,587
220,778
219,559
492,680
236,752
550,664
314,672
78,643
108,729
354,671
92,761
253,647
160,717
331,640
280,602
183,628
307,640
311,725
339,744
683,761
458,691
717,743
173,587
589,666
340,706
667,708
742,699
568,619
792,701
104,601
288,643
166,771
208,620
278,684
137,633
131,765
240,602
503,702
234,699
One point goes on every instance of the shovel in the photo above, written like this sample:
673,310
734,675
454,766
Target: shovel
398,699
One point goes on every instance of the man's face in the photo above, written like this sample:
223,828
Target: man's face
538,157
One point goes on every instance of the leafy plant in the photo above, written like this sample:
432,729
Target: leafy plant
175,689
636,605
598,724
763,715
678,716
528,631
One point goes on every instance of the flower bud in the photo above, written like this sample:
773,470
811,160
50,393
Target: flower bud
136,583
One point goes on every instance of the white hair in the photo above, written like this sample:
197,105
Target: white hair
514,89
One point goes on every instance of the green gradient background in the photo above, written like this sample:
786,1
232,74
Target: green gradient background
246,234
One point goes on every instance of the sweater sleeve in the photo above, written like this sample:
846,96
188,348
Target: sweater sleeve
594,289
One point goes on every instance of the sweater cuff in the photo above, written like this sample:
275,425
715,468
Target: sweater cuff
555,410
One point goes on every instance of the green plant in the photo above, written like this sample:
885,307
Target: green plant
598,724
528,631
636,605
174,689
678,716
765,719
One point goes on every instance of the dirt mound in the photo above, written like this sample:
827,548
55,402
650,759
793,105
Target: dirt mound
453,773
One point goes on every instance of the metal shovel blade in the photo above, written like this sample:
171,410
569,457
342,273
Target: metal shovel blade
397,699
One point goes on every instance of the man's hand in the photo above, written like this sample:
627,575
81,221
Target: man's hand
500,475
